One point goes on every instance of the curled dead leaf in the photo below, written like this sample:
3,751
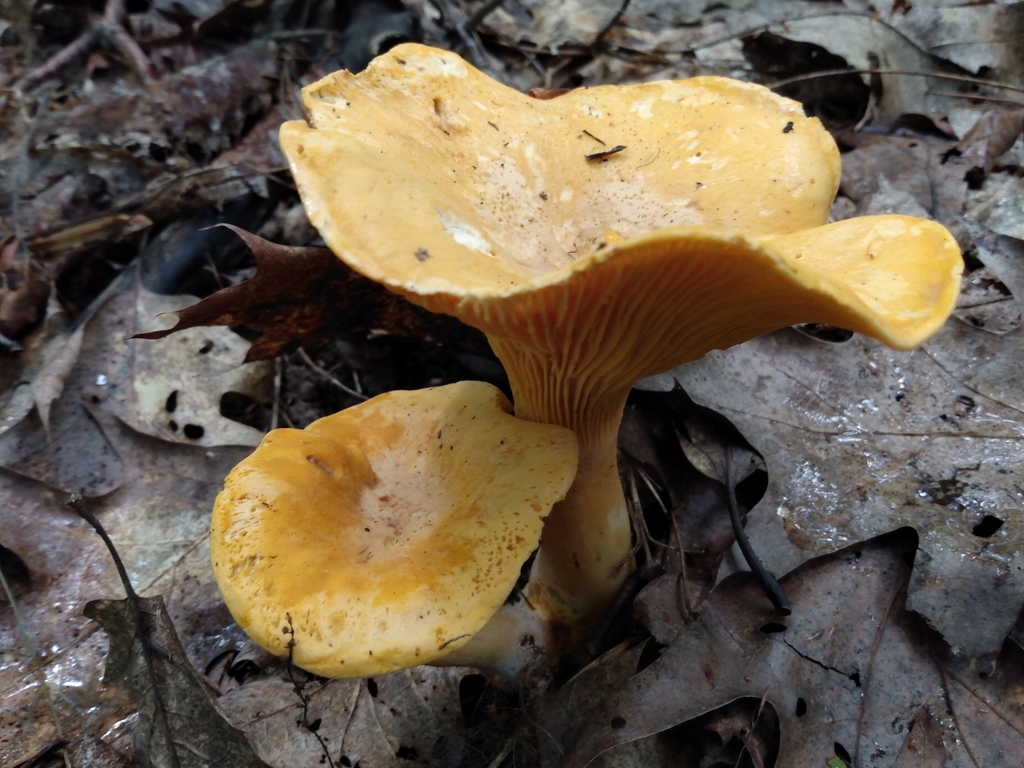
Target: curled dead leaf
301,295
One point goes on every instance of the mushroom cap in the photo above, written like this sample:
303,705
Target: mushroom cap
423,154
388,534
707,229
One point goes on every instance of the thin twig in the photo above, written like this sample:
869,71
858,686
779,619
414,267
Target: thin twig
771,587
599,38
678,536
687,600
503,753
326,375
755,758
976,97
276,409
472,45
108,28
481,13
642,532
868,677
298,688
25,638
909,72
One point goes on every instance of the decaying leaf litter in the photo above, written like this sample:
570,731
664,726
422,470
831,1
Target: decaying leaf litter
114,170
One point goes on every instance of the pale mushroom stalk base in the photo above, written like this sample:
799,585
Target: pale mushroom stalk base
584,556
517,643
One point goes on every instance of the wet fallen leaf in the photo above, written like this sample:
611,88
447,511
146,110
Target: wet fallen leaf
302,295
847,673
179,725
159,520
52,686
860,440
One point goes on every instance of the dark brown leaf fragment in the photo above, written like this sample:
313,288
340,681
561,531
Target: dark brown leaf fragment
993,134
302,295
24,286
923,747
199,734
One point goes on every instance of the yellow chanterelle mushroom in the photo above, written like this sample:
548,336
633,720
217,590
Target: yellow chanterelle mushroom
602,236
388,534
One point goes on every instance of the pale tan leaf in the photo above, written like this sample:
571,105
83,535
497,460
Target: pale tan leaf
175,384
46,387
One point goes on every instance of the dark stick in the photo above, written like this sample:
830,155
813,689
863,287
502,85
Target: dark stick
298,687
109,28
599,38
771,587
480,14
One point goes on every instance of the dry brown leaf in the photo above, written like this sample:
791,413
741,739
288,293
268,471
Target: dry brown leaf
552,26
564,712
146,151
880,166
861,440
999,203
993,295
924,747
977,37
850,670
865,42
386,722
302,295
1001,254
49,383
24,286
138,381
994,133
40,346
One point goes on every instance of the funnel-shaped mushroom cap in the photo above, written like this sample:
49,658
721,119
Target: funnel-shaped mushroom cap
425,174
387,534
469,197
706,229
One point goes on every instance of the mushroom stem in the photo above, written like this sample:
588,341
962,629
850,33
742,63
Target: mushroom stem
586,543
585,546
516,643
